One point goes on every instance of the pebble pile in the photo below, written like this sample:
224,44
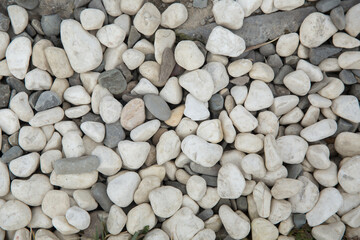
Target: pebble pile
111,120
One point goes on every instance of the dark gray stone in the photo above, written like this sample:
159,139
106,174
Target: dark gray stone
76,165
211,171
50,24
347,4
77,12
259,28
114,133
299,219
113,80
133,37
347,77
292,61
221,202
274,61
100,68
294,170
242,204
177,185
157,106
216,102
36,24
28,4
75,80
345,126
259,57
98,5
4,95
30,30
47,100
285,70
80,3
125,71
33,98
14,139
167,66
188,169
240,81
205,214
281,90
16,84
317,55
304,103
211,181
91,117
327,5
356,72
338,17
4,22
355,90
149,57
200,3
11,154
98,191
267,50
315,87
5,146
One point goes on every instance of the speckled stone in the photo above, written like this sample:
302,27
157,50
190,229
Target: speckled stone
113,80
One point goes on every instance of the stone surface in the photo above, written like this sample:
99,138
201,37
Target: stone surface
236,225
121,189
165,206
18,55
230,182
113,80
263,229
348,177
14,215
157,106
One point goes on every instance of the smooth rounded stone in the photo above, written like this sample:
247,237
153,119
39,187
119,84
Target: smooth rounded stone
330,200
11,154
172,92
348,176
156,234
230,181
39,219
273,158
330,231
22,233
47,100
275,61
38,54
92,19
316,29
85,200
200,151
133,114
183,224
9,122
327,177
78,217
199,83
5,180
318,156
262,229
253,102
25,165
47,159
306,198
144,87
346,144
347,107
19,18
116,220
133,58
288,5
313,72
253,164
74,181
155,170
351,18
239,67
287,44
352,218
248,143
110,162
43,234
31,139
347,77
98,192
320,130
261,71
122,188
38,79
333,89
110,109
268,123
349,60
113,56
55,203
280,211
61,224
147,184
242,119
210,130
147,19
21,107
236,225
5,40
338,17
72,144
173,16
94,130
133,154
58,62
113,80
343,40
219,75
83,49
14,215
76,165
290,144
18,55
165,201
286,188
223,42
157,106
229,14
195,109
216,102
188,55
168,147
196,187
250,6
77,95
239,93
262,199
298,82
145,131
318,101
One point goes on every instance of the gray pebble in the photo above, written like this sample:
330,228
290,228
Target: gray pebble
149,57
157,106
355,90
33,98
133,37
347,77
125,71
338,17
188,169
36,24
14,139
30,30
91,117
299,219
47,100
98,191
327,5
113,80
200,3
77,12
240,81
28,4
177,185
76,165
216,102
274,61
80,3
50,24
114,133
16,84
281,90
100,68
294,170
242,204
75,80
285,70
4,22
211,181
317,55
167,66
304,103
315,87
206,214
292,60
221,202
267,50
293,129
11,154
211,171
345,126
4,95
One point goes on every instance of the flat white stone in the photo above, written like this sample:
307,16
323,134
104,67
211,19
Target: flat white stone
259,96
330,231
110,162
239,67
85,200
249,6
122,188
72,144
74,181
314,72
131,7
292,148
188,55
38,57
228,13
61,224
333,89
327,177
239,93
297,82
347,107
287,44
262,198
77,95
343,40
248,143
25,165
235,225
254,164
165,201
318,156
243,120
195,109
210,130
175,15
32,139
199,83
230,181
5,40
168,147
92,19
280,211
261,227
284,104
318,101
95,130
347,144
133,154
38,79
116,220
133,58
14,215
320,130
55,203
228,129
78,217
145,131
144,87
5,179
18,55
19,18
219,75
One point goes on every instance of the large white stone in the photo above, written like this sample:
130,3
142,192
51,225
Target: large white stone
228,13
306,198
9,122
259,96
199,83
262,229
175,15
147,19
165,201
110,162
320,130
145,131
348,175
195,109
140,216
287,44
94,130
243,120
188,55
133,154
122,188
210,130
55,203
18,55
230,182
4,179
347,107
292,148
236,225
14,215
313,72
352,18
92,19
298,82
239,93
19,18
168,147
287,5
